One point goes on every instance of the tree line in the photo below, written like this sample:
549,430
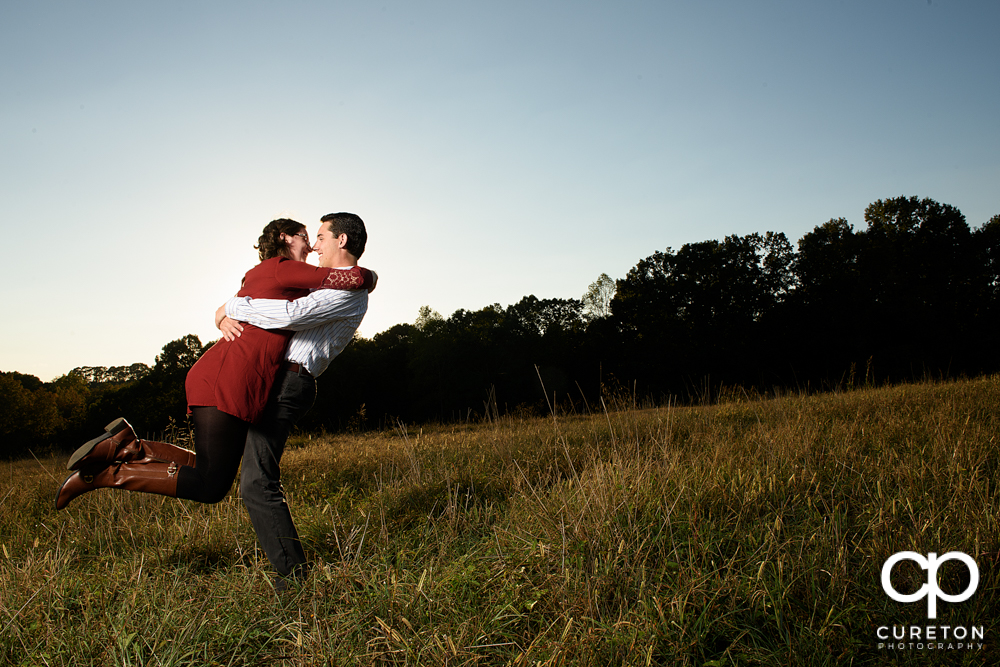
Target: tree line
914,294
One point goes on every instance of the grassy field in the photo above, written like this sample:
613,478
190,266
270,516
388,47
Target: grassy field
745,533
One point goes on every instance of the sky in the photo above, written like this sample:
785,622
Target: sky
494,149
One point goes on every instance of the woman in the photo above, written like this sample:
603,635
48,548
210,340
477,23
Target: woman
227,389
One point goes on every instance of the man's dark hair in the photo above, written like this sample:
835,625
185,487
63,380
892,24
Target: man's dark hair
353,226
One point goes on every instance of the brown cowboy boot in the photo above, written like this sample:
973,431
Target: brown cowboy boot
159,477
119,444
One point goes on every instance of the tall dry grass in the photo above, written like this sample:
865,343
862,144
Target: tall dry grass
746,533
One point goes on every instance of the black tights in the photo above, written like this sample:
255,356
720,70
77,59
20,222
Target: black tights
219,439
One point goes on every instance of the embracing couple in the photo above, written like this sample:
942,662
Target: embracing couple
280,332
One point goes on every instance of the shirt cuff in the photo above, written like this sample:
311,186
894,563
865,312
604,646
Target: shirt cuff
233,304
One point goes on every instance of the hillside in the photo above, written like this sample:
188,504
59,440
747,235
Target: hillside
748,532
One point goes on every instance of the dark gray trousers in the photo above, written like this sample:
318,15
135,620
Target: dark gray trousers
260,480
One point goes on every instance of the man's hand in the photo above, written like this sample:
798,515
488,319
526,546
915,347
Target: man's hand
229,327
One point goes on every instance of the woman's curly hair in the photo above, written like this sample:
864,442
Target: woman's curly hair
270,244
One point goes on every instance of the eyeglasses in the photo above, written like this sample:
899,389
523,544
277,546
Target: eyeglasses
305,237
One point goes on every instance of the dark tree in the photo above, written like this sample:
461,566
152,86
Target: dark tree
702,311
178,356
28,415
919,267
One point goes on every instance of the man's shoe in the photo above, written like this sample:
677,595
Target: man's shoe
292,581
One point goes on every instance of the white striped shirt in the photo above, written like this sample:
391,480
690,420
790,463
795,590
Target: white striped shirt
324,322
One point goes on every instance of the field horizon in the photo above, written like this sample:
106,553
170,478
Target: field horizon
750,532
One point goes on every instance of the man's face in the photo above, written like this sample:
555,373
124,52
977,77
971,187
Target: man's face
327,245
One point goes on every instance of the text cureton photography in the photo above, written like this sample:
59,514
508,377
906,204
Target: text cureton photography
930,637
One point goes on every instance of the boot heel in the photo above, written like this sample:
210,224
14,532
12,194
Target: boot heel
112,429
116,426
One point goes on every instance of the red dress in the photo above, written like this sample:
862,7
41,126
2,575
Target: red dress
236,376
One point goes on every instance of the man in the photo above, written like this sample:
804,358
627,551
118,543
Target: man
325,322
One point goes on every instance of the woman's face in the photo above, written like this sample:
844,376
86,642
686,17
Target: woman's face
298,245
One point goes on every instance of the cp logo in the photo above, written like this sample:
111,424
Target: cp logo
930,589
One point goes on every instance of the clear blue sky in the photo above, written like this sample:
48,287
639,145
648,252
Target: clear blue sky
494,150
